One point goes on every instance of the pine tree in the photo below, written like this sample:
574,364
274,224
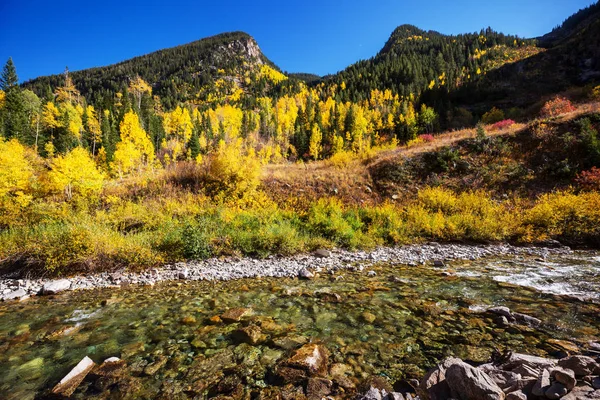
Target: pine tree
14,116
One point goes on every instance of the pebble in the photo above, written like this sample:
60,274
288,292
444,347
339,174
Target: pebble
216,269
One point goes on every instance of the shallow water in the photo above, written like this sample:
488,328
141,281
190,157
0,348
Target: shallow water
372,324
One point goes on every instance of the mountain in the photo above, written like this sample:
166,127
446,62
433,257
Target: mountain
176,74
413,61
571,59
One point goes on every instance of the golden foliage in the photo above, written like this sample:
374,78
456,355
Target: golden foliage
75,173
135,149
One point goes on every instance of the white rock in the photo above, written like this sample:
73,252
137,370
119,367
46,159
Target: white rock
53,287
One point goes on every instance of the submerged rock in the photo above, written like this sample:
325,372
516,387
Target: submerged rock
235,314
249,334
312,358
71,381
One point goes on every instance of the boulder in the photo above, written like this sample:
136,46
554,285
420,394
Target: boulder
71,381
596,383
433,386
19,294
467,382
372,394
517,359
556,391
580,365
527,319
501,310
564,376
57,286
542,384
322,253
506,380
305,273
516,395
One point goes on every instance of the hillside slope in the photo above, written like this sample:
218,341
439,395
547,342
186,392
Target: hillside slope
177,74
572,59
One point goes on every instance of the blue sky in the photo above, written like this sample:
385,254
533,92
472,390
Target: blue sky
302,36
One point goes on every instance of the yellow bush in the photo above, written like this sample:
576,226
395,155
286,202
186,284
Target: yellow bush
342,159
576,216
233,173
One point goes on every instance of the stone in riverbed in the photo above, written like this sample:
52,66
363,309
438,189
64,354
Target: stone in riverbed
71,381
57,286
19,294
516,359
312,358
564,376
249,334
569,347
305,273
542,384
466,382
556,391
318,388
516,395
236,314
581,365
153,368
111,367
322,253
434,386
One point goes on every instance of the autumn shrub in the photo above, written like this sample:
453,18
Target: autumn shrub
590,179
414,142
427,138
326,218
342,159
232,173
557,106
493,116
565,216
500,125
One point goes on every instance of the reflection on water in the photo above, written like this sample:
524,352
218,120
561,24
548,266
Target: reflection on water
395,324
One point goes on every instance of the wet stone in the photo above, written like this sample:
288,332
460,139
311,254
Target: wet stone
71,381
236,314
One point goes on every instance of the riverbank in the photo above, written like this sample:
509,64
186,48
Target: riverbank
303,266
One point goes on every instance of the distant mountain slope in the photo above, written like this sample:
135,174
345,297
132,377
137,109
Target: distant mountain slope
414,60
176,74
572,59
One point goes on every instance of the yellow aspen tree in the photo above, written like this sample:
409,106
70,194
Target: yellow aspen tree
67,93
2,99
93,127
16,174
315,147
50,116
135,149
75,173
137,87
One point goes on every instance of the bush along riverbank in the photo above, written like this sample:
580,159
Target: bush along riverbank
303,266
54,239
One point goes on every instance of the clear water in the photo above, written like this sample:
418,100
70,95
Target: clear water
374,326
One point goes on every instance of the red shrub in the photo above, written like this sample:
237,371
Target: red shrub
502,124
589,180
556,107
427,137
